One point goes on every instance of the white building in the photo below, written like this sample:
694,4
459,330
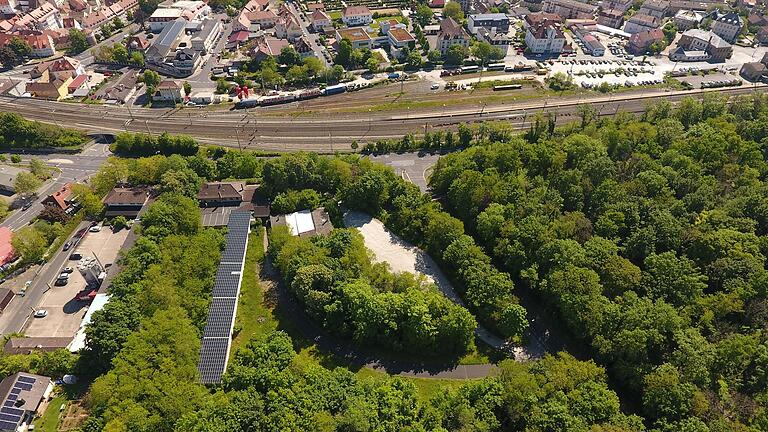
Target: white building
190,10
356,16
320,20
545,39
208,34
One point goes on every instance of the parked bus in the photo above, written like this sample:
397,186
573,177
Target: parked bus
495,67
470,69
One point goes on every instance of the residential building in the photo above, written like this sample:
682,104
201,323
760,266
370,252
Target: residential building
757,20
7,253
641,22
169,90
124,201
358,37
8,176
21,394
356,16
619,5
264,19
687,19
8,7
498,21
655,8
44,17
137,43
538,18
590,43
62,68
639,43
762,35
320,20
451,33
399,38
753,71
287,27
269,46
303,47
700,40
570,9
694,5
220,194
49,87
613,18
42,45
546,38
62,199
727,26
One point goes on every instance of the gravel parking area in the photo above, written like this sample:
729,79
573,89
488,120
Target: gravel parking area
399,254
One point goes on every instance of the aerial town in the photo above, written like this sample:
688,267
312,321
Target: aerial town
383,215
268,52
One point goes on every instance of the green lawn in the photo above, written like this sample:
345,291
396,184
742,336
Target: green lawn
257,315
49,421
253,317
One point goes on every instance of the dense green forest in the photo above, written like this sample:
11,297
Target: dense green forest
18,133
333,277
647,238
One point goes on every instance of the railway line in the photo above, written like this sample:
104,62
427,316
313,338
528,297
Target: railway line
252,129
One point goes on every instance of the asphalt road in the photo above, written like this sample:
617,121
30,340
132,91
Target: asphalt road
325,133
73,168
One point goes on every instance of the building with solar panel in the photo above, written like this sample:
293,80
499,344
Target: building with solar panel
22,394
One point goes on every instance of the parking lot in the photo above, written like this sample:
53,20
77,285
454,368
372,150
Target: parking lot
718,79
65,312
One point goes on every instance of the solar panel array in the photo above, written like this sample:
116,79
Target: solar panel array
10,415
217,336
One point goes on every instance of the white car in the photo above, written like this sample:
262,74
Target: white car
95,228
41,313
435,86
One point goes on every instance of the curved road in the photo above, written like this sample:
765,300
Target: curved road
328,132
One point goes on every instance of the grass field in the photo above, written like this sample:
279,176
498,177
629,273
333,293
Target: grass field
258,315
49,422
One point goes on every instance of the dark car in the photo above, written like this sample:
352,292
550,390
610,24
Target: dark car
61,281
67,245
26,206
